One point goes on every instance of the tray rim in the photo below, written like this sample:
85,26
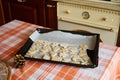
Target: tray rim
23,50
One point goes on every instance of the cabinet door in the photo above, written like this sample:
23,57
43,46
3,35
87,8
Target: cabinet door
26,10
51,14
23,12
1,14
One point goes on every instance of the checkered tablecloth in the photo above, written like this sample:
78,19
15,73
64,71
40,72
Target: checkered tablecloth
14,34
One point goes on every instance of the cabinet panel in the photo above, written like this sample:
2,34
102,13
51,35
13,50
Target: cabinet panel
51,14
7,11
24,13
32,11
118,40
1,14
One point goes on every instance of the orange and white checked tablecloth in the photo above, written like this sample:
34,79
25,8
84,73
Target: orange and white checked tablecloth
14,34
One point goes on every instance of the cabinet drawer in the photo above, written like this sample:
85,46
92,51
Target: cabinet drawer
92,16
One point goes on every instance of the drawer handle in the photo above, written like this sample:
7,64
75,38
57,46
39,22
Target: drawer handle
50,6
21,1
73,21
104,19
67,11
111,29
107,29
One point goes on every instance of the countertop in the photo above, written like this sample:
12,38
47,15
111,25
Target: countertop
14,34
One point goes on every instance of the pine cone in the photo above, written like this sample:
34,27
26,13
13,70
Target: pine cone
19,61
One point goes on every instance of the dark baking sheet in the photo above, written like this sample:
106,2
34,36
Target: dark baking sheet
93,54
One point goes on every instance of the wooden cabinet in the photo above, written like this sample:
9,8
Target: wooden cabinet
26,10
51,14
33,11
1,14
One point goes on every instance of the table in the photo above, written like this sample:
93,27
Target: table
13,36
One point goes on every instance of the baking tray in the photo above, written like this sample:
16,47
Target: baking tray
93,54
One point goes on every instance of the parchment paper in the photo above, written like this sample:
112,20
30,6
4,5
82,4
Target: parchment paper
66,38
